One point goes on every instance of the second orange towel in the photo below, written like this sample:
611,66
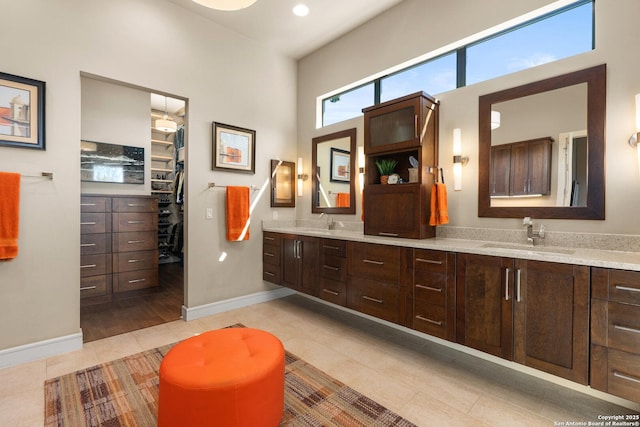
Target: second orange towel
238,215
9,214
439,205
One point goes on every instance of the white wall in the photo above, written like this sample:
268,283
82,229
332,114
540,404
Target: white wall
221,74
416,27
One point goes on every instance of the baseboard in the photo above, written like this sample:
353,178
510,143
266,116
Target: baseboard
40,350
193,313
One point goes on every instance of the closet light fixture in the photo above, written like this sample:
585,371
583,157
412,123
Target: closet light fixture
458,159
635,137
495,120
165,124
225,4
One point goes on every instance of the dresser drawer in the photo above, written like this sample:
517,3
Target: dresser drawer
135,204
91,244
623,376
271,273
333,291
334,268
136,221
426,260
271,254
430,287
374,298
93,265
623,327
269,238
134,280
377,262
95,204
99,222
430,319
131,261
333,247
135,241
95,286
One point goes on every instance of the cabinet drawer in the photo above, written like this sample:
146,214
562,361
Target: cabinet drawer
377,262
271,273
624,375
136,221
624,286
333,291
271,254
95,223
131,261
91,244
374,298
93,265
135,241
334,268
270,238
134,280
334,247
430,319
623,327
426,260
135,204
95,286
430,287
95,204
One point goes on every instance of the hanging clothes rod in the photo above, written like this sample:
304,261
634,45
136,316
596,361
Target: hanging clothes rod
214,185
46,175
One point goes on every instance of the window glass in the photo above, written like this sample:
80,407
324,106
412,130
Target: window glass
434,76
347,105
559,36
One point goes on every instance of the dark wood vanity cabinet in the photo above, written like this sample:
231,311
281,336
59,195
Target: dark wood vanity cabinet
615,332
271,255
300,260
396,211
521,168
333,271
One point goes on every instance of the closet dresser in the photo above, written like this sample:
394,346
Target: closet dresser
118,247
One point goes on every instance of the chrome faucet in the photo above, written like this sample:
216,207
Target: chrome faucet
331,224
532,235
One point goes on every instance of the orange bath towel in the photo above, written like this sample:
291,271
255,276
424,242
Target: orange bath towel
439,205
342,200
238,217
9,214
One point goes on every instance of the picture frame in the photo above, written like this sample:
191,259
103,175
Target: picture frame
283,184
340,162
233,148
22,112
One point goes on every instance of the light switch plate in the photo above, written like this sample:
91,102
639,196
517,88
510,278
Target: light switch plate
209,213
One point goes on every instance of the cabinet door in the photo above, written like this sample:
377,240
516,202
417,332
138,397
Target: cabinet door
520,169
394,126
551,318
500,170
540,167
309,258
485,304
290,270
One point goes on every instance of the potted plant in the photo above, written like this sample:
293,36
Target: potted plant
385,167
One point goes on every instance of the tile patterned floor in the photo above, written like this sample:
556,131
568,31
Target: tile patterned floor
426,383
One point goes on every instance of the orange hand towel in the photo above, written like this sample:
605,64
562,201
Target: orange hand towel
238,216
439,205
9,214
343,200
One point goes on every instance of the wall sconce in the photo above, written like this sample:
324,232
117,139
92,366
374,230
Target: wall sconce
458,159
633,141
361,161
495,120
301,176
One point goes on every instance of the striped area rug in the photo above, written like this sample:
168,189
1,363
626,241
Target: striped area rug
124,392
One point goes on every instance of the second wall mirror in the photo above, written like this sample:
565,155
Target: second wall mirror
334,163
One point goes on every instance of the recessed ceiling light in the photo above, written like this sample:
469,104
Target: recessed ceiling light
301,10
225,4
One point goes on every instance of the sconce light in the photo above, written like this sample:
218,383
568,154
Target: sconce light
225,4
301,176
495,120
458,159
633,141
361,162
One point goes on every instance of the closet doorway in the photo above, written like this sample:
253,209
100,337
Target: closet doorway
161,129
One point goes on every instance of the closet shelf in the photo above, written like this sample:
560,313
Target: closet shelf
161,191
156,158
161,170
169,181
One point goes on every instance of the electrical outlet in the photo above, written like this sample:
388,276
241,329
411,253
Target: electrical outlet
274,215
209,213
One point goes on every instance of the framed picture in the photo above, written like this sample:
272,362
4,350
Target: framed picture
21,112
283,184
233,148
340,161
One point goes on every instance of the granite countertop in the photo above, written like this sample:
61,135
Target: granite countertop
580,256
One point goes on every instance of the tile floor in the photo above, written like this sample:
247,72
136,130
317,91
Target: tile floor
426,383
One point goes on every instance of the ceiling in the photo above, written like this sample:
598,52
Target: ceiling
273,23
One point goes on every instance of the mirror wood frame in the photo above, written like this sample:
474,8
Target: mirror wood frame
348,133
595,77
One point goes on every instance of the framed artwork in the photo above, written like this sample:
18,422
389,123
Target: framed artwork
340,161
233,148
21,112
283,187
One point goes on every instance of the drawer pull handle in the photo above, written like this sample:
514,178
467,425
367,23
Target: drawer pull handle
87,288
87,204
135,205
626,288
88,223
88,266
135,222
627,329
369,261
137,280
388,234
379,301
131,242
626,377
334,293
269,238
328,267
268,273
506,284
135,260
269,254
429,288
429,261
86,245
439,323
335,248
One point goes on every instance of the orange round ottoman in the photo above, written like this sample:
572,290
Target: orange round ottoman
227,377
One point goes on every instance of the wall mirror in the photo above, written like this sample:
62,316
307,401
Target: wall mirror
283,184
333,172
568,110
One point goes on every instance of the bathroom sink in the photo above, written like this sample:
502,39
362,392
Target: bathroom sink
315,230
529,249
